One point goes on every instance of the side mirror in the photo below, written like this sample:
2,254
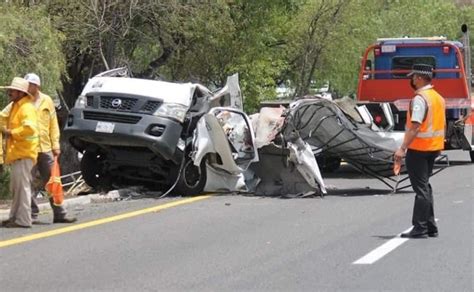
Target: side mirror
368,65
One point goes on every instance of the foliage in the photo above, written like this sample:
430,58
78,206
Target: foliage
467,17
365,21
177,40
312,36
266,42
28,43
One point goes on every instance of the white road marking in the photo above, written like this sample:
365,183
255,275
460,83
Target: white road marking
383,250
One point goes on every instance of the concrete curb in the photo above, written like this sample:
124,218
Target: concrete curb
73,202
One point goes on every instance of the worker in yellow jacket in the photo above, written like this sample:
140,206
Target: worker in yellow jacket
3,124
1,153
21,151
49,146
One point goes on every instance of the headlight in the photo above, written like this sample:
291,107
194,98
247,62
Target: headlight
81,102
172,110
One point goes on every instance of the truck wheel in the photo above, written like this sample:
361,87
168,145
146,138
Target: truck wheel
92,171
329,164
471,153
192,179
332,164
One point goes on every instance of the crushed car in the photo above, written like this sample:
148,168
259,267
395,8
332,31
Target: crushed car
343,130
133,131
186,139
180,137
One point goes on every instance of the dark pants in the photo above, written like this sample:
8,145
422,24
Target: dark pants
43,166
420,166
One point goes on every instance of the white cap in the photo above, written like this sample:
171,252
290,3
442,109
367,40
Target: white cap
33,78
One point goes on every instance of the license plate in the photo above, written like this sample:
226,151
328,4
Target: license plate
389,48
105,127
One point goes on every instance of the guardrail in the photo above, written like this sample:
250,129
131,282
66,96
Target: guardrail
73,181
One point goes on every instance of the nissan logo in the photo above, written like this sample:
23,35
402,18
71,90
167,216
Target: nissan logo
116,103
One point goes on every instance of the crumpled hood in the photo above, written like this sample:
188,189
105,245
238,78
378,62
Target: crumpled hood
180,93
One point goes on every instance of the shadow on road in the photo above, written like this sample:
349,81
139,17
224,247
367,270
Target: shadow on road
385,237
354,192
458,162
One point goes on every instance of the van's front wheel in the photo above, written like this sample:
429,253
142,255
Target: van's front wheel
471,153
192,179
92,170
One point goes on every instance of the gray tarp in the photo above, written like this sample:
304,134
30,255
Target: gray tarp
327,128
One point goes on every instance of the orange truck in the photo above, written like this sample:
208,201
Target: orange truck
384,88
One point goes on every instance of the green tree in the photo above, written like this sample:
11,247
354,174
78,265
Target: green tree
365,21
29,43
265,41
177,40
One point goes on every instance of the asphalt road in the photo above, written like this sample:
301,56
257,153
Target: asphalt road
238,243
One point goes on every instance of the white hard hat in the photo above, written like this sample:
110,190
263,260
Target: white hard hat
33,78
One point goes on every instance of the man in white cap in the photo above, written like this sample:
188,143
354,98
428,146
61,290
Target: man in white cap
49,146
21,151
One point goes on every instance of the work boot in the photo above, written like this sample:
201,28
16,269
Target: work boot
12,224
65,220
414,234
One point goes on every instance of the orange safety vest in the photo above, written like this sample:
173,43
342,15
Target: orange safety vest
432,129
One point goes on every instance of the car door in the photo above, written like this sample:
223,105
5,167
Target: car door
226,135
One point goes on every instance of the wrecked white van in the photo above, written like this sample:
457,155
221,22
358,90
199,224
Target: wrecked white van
140,132
180,137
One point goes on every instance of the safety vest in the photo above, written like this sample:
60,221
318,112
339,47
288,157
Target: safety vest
23,123
431,134
48,126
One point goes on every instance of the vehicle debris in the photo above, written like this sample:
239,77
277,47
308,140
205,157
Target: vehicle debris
176,136
342,129
185,139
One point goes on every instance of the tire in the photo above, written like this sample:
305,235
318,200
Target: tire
471,153
192,179
92,171
329,164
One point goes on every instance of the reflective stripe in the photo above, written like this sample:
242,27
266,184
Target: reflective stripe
29,123
32,138
54,180
431,134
